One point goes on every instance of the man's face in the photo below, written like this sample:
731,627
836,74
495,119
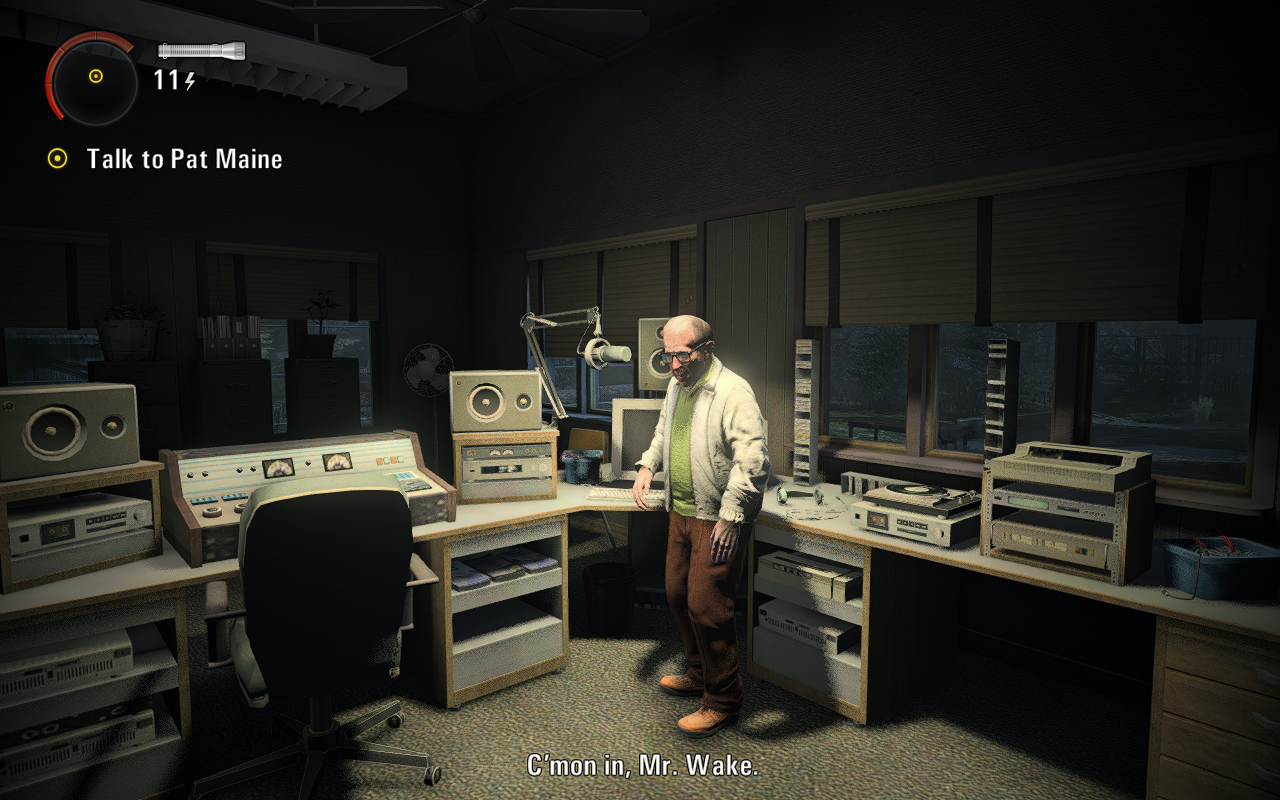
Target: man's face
683,341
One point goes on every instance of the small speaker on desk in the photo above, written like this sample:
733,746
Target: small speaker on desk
495,400
49,429
654,375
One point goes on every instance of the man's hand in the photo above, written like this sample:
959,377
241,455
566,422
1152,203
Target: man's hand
641,487
724,540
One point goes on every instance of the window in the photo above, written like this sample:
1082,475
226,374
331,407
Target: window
50,355
1179,392
353,341
868,383
961,386
564,376
274,336
615,380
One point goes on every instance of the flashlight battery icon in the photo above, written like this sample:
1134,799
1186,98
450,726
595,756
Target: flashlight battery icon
232,51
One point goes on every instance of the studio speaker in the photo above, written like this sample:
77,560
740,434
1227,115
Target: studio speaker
654,375
49,429
497,400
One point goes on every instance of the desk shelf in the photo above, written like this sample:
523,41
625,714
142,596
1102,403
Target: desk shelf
140,771
486,639
907,612
156,624
154,670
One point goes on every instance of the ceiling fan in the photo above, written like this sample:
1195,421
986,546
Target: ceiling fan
483,21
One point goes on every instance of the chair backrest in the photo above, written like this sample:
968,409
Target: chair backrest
323,563
588,439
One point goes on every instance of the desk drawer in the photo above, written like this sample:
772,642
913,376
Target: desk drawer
1181,781
1220,752
1224,663
1223,706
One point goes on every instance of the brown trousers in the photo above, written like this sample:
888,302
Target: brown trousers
701,596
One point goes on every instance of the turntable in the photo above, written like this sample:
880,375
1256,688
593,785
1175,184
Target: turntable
932,500
922,513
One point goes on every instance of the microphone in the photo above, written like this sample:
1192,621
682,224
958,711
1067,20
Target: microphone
599,353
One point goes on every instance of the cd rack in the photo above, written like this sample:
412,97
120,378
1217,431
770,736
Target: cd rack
808,414
1001,435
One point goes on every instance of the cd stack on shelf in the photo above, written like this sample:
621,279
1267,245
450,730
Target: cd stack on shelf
1002,399
808,412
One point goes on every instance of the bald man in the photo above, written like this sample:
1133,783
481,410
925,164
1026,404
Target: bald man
710,438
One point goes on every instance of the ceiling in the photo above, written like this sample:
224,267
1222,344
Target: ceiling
445,79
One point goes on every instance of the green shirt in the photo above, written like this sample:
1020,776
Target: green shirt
680,470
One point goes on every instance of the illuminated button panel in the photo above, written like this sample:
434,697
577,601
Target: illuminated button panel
200,501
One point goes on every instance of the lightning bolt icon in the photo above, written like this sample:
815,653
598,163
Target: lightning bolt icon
191,79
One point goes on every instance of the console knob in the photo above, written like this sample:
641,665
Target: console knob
213,511
239,508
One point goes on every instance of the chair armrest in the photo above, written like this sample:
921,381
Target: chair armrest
419,573
215,612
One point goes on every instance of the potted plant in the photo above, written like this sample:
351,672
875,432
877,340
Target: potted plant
319,345
127,331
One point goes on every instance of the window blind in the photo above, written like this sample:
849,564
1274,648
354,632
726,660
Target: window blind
1088,252
222,284
93,262
637,283
903,265
35,293
568,284
1238,241
688,298
282,288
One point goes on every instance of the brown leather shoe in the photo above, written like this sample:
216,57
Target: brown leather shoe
704,722
680,686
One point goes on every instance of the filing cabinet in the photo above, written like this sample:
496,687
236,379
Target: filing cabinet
156,382
1215,716
233,401
322,396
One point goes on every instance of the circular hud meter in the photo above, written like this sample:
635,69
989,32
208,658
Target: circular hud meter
91,79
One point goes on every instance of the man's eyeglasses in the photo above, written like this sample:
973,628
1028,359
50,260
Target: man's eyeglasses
683,357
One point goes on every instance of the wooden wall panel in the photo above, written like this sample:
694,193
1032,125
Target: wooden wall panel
750,297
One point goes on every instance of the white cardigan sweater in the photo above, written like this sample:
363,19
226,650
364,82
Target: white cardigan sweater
728,456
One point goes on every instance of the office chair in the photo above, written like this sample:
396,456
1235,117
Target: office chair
323,566
588,439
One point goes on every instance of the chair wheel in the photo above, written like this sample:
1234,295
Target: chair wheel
434,776
395,720
458,707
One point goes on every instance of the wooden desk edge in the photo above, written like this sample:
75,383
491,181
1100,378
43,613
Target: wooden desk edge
994,570
940,557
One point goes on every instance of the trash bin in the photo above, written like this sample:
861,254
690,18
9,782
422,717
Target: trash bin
582,466
611,589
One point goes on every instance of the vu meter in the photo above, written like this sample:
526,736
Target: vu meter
92,79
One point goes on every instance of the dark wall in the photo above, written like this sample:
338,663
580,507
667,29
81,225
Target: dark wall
386,178
769,99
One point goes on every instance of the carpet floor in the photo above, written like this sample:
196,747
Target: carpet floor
983,730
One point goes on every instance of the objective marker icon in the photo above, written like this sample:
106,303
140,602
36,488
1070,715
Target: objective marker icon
232,51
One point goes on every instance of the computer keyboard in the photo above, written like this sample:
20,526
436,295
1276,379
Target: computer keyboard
653,498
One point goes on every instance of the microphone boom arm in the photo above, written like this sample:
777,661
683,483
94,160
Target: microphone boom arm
531,322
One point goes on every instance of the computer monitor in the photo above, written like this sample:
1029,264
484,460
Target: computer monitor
634,421
633,424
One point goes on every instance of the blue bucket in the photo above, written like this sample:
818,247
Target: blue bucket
1243,579
582,466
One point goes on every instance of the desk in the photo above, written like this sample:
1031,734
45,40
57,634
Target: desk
905,581
907,613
